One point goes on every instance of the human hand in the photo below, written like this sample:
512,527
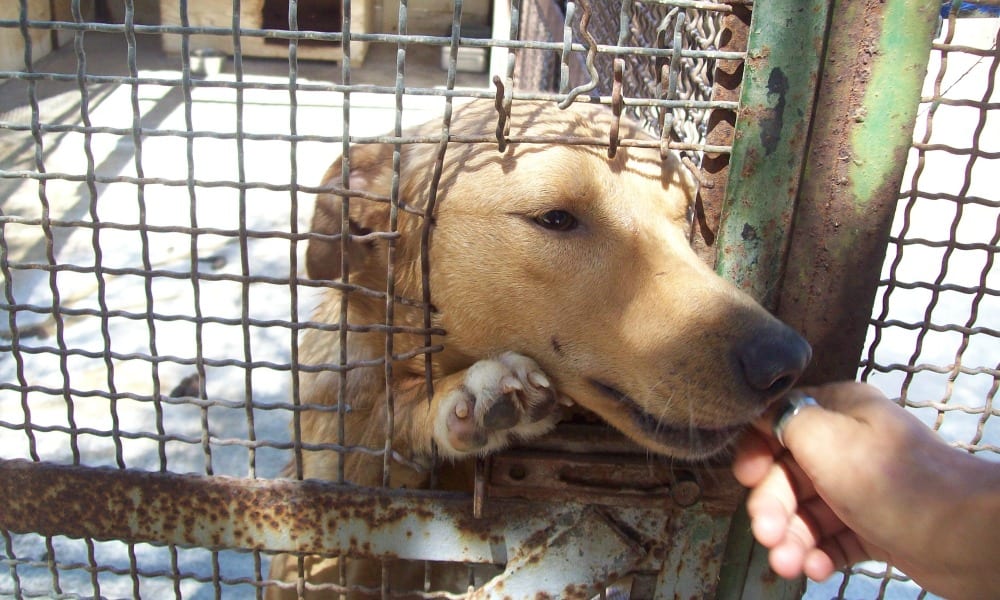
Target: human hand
861,478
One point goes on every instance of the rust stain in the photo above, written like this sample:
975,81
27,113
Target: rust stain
752,160
726,86
203,511
837,264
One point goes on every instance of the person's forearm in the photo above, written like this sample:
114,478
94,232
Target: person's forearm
981,516
970,534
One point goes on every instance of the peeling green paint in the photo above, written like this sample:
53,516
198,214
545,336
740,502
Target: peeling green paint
882,129
817,163
776,104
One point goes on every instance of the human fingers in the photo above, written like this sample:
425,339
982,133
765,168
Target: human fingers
873,417
779,504
752,459
788,557
757,450
893,483
770,506
778,485
834,553
847,397
810,543
830,446
848,451
815,543
818,565
837,551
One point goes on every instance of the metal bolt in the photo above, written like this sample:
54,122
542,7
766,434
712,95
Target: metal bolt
685,492
517,472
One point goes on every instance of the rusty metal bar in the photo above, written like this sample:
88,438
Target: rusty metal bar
221,512
874,69
579,547
726,84
782,68
818,258
784,58
603,466
324,517
684,511
700,540
609,481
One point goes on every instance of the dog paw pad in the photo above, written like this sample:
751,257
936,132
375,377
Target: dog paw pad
502,415
502,399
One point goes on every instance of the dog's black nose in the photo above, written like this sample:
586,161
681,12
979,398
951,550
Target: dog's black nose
773,359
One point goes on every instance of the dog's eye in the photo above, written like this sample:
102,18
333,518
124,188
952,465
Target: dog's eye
556,220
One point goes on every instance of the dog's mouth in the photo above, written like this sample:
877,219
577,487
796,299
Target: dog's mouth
684,441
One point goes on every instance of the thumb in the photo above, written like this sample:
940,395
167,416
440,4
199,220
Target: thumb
834,440
817,436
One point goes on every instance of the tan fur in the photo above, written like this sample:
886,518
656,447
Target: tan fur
618,315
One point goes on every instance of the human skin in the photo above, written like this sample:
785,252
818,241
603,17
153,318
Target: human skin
862,479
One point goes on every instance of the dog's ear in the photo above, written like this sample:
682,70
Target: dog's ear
371,171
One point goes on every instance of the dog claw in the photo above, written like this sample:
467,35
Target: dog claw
538,379
510,384
463,432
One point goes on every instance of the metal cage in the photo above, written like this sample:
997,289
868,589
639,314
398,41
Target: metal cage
158,163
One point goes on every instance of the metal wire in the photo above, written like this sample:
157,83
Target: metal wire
669,51
905,243
652,60
941,370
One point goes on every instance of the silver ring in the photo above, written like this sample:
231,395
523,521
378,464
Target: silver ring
795,402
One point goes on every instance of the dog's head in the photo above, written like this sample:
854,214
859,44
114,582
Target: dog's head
578,261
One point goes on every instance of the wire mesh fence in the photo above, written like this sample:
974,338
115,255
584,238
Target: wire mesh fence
942,263
155,218
933,339
694,36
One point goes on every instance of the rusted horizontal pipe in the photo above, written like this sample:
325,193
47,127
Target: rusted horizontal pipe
224,512
564,549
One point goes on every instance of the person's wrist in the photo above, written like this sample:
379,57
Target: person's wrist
964,538
979,506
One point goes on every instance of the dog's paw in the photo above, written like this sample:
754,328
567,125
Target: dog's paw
500,400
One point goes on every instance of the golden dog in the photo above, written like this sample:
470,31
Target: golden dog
559,276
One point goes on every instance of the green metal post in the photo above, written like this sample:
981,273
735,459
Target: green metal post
826,120
784,57
862,130
784,53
